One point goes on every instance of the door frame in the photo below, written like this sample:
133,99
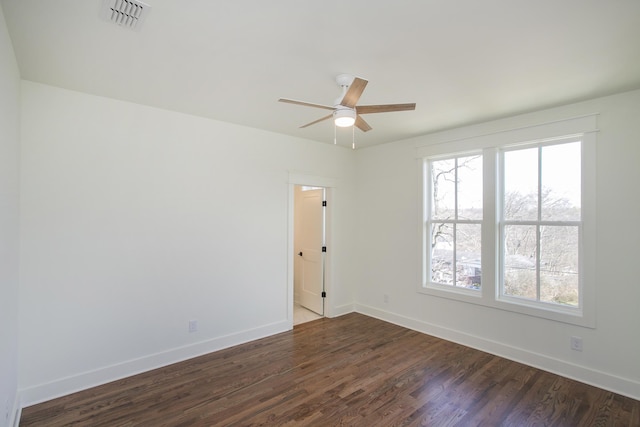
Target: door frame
330,185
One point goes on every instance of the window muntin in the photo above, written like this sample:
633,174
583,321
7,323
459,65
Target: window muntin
541,223
454,222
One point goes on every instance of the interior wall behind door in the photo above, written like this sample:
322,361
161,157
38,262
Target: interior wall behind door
297,223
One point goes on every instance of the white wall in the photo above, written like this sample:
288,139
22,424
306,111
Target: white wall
389,227
9,162
136,220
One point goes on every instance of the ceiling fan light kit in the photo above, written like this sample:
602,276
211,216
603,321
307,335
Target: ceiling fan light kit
344,117
345,113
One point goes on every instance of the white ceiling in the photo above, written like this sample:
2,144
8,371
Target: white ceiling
461,61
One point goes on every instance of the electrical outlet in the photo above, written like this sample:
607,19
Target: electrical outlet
193,325
576,343
385,298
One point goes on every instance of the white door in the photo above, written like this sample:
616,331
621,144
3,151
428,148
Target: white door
310,252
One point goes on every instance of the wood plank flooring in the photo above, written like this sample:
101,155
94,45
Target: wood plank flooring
348,371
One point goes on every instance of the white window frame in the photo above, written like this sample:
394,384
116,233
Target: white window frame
583,128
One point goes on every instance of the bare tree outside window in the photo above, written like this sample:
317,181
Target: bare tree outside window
455,221
541,223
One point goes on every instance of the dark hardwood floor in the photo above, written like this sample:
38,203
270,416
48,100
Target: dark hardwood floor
350,371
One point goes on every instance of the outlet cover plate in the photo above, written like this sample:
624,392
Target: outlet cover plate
193,325
576,343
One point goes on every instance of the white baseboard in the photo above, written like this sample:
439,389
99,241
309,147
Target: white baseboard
15,411
341,310
563,368
64,386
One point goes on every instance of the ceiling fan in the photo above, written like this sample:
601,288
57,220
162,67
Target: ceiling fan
345,112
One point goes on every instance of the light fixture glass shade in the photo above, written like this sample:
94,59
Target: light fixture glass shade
344,117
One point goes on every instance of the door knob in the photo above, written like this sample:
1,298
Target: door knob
300,253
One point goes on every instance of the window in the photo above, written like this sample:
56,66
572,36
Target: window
540,223
511,225
455,222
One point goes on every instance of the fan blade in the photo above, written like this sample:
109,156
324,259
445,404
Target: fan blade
354,92
368,109
362,125
317,121
307,104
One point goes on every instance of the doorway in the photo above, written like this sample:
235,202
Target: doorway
309,238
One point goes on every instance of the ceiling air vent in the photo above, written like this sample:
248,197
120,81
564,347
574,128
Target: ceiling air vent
126,13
